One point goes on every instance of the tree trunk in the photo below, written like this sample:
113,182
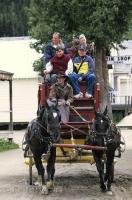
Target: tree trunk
101,71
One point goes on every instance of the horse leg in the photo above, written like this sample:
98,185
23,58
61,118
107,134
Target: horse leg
41,171
109,168
26,151
100,168
51,168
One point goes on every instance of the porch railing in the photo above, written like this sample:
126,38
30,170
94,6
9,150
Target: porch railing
115,98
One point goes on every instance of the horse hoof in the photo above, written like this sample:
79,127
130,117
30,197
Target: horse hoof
103,188
44,190
109,192
36,183
50,185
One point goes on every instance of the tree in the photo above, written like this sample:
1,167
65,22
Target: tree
104,22
13,18
128,35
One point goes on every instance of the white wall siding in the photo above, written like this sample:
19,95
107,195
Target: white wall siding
17,57
24,100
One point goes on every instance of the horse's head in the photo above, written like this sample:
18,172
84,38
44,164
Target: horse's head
50,118
102,122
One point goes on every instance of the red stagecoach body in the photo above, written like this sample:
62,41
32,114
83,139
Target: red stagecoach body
82,114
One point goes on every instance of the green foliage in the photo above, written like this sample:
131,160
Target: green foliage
117,116
103,22
128,34
13,17
6,145
38,66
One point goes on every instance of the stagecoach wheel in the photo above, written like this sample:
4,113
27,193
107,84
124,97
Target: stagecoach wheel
30,167
112,172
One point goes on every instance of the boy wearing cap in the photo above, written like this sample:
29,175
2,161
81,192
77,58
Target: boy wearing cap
84,65
63,92
89,45
60,63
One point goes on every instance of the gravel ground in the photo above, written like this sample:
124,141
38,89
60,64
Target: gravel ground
72,181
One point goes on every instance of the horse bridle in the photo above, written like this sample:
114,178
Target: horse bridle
45,128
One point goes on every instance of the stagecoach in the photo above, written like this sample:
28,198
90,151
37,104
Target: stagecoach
72,147
82,113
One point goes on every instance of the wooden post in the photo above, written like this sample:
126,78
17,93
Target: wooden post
10,138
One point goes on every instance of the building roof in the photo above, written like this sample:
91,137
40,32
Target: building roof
17,57
126,121
5,76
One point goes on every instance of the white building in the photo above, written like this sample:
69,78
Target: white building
120,77
17,57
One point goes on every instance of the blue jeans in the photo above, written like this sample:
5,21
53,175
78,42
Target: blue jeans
89,78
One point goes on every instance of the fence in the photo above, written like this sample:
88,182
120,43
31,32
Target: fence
120,99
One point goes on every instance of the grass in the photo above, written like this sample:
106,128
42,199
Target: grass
117,116
5,145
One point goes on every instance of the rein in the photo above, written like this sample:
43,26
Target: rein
72,107
33,134
41,126
46,129
77,129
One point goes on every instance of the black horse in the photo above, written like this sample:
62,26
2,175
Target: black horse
104,133
41,133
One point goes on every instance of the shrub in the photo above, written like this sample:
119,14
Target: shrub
5,145
38,66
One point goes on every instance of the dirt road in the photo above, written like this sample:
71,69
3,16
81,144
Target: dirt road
72,181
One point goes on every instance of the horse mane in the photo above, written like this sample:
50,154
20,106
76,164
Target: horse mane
40,112
101,123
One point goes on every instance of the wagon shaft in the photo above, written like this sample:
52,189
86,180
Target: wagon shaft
75,146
